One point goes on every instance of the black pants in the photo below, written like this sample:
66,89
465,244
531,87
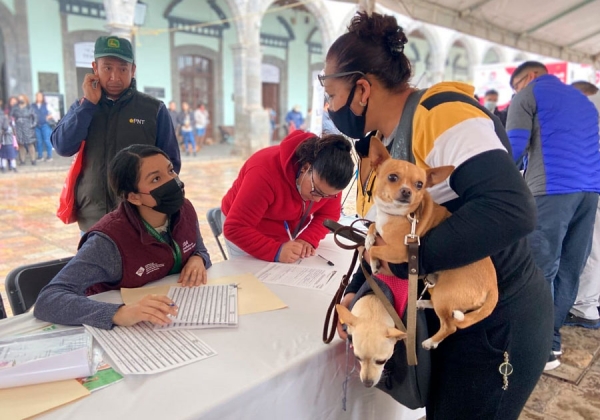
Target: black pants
466,382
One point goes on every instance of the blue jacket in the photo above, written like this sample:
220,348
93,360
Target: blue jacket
556,126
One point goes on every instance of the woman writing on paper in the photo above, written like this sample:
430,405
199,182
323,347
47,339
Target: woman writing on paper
153,233
276,207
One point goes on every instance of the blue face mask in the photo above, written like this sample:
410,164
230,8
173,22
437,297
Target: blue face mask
347,121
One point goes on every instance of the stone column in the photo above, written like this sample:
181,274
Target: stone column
19,75
252,130
119,17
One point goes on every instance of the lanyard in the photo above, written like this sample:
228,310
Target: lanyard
299,229
174,249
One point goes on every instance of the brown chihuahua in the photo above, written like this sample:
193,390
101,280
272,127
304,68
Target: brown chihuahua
462,296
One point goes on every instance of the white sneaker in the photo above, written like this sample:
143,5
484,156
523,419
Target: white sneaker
552,363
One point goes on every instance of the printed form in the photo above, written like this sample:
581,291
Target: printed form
142,350
295,275
204,307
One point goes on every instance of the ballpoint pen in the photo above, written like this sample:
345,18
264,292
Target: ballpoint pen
328,262
287,229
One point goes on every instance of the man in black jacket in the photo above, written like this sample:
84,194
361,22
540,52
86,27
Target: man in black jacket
111,116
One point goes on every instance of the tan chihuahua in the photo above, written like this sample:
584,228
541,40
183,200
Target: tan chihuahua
373,336
462,296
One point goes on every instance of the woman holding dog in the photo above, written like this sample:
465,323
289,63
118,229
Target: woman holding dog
366,79
275,209
153,233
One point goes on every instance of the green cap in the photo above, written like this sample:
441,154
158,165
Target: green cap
113,46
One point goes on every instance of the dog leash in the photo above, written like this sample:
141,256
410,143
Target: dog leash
331,318
412,241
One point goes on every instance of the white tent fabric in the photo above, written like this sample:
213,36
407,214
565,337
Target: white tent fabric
565,29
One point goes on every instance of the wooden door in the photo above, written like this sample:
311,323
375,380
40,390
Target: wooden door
196,84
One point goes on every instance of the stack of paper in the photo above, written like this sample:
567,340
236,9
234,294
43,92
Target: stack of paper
142,350
204,307
46,357
253,296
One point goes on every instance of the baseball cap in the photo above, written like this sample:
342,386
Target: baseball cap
113,46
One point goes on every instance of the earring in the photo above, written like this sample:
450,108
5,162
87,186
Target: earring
362,103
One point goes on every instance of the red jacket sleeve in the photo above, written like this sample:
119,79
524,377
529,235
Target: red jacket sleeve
254,196
315,231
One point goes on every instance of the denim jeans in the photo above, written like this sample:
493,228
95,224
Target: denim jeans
43,140
561,244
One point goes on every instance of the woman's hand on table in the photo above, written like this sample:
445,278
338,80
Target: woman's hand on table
151,308
345,302
307,249
193,273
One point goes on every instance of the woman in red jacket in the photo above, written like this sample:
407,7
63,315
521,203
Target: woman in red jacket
275,209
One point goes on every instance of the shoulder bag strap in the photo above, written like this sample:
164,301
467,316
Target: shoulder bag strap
402,147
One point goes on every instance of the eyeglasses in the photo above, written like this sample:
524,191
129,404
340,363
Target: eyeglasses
516,85
315,192
323,77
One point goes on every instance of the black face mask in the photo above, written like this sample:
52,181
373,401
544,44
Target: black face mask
168,197
347,121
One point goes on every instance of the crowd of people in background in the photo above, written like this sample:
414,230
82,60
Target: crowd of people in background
25,130
191,126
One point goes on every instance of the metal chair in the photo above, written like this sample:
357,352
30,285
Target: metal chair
2,309
214,221
23,284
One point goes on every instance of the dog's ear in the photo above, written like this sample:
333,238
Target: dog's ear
395,334
437,175
346,316
377,152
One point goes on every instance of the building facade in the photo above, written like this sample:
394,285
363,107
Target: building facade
238,57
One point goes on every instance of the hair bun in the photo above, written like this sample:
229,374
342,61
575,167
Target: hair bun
381,29
395,41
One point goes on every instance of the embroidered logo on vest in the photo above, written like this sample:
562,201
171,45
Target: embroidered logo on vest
188,246
153,267
136,121
140,271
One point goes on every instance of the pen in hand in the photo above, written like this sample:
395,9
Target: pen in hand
287,229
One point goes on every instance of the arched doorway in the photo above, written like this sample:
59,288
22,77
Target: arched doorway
274,92
291,39
491,56
418,52
457,63
196,81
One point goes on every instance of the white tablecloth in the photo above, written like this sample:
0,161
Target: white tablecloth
273,366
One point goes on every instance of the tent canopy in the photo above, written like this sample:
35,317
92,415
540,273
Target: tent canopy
564,29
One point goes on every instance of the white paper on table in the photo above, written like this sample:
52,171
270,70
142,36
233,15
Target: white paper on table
142,350
46,357
295,275
200,307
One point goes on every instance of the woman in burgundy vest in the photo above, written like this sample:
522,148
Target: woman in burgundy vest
153,233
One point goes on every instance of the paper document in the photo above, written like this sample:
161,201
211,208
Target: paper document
46,357
294,275
253,295
204,307
28,401
142,350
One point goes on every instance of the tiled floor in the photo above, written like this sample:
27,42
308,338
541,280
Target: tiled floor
30,232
